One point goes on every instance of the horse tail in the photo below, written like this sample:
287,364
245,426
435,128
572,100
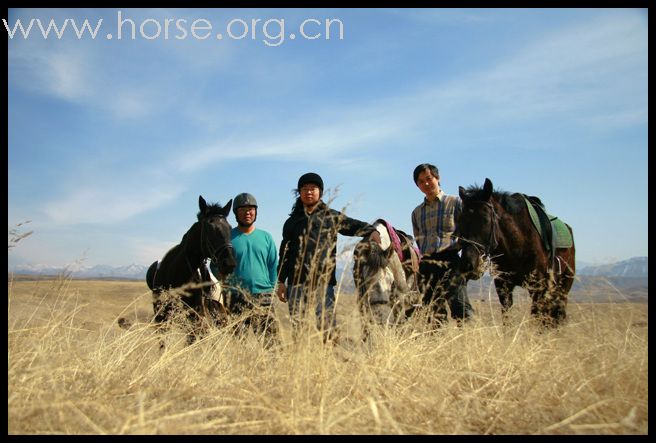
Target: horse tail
150,275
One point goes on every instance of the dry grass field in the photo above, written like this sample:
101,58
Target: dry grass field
73,370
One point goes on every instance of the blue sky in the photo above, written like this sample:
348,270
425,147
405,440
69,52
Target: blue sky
111,141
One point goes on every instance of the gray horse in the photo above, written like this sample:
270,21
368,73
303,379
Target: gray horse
385,276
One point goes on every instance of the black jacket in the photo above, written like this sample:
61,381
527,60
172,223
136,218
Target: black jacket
309,244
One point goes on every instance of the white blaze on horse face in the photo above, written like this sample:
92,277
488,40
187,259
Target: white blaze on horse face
387,279
378,284
385,240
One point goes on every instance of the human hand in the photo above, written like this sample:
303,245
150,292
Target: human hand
282,290
375,236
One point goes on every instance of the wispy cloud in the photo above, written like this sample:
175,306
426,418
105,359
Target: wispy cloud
324,143
110,76
594,71
107,205
587,70
59,72
579,67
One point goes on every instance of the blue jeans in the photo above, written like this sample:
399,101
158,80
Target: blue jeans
298,300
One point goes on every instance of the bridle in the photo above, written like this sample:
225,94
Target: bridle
204,244
213,253
493,239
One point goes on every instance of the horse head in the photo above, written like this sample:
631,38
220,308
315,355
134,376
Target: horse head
477,229
215,235
371,267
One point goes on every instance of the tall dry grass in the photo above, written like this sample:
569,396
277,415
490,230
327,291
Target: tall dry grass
72,370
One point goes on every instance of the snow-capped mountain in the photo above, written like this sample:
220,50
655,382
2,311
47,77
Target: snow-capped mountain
636,267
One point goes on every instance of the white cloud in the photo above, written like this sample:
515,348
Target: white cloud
60,72
107,205
347,132
588,70
118,77
590,67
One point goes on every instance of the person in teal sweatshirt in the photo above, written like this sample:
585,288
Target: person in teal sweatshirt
252,283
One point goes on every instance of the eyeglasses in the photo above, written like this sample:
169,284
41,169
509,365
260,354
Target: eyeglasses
309,188
245,209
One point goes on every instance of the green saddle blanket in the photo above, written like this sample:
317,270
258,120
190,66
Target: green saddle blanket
563,238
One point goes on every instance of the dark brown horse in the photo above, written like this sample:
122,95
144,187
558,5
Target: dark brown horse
498,226
183,269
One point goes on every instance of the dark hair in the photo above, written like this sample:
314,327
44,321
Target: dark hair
298,204
425,166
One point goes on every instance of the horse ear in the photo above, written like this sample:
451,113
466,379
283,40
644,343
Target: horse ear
202,204
462,193
487,189
226,209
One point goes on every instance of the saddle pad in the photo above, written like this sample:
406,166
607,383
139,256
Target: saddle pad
563,238
394,238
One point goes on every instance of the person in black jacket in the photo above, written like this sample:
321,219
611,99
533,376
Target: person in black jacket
307,258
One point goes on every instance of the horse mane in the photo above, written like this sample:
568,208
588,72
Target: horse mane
211,210
513,203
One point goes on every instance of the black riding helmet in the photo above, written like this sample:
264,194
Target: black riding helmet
241,200
313,178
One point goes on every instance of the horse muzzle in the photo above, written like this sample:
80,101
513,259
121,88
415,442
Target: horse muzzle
227,263
471,269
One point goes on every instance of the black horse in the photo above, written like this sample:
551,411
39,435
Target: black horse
385,276
183,269
499,226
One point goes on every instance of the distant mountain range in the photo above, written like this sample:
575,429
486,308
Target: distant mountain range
636,267
129,272
626,280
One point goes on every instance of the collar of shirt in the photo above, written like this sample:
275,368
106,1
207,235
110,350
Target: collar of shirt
439,196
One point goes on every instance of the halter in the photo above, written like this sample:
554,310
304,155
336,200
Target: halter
493,240
213,253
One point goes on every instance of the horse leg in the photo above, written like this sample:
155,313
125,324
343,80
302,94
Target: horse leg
550,303
505,294
161,309
557,300
564,281
217,313
542,304
558,306
161,314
